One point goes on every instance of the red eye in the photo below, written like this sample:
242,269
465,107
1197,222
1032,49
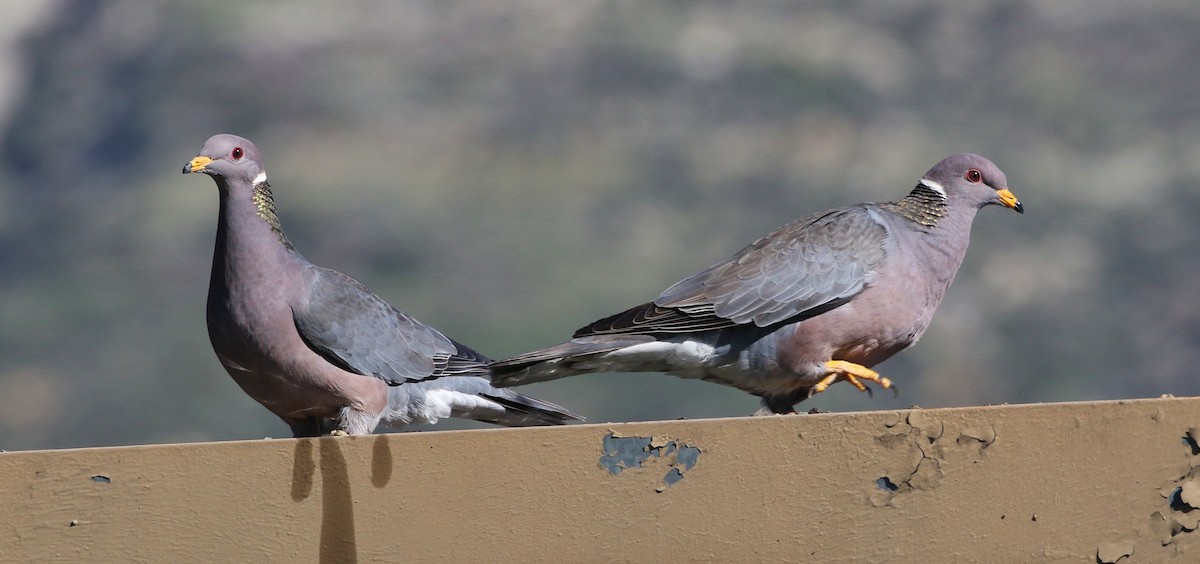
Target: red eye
973,176
237,154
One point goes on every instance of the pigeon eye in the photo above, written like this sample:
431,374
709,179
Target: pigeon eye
973,176
237,153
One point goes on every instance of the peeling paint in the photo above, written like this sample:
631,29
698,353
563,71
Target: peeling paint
1181,495
626,453
621,453
919,433
1111,552
929,446
1189,492
1161,528
1190,439
982,437
688,456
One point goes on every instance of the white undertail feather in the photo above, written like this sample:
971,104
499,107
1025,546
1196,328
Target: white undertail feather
672,353
354,422
440,403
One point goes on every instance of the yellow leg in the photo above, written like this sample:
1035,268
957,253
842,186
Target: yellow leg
850,372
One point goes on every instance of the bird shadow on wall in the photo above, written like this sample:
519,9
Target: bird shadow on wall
337,536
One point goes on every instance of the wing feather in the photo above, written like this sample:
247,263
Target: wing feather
356,330
806,267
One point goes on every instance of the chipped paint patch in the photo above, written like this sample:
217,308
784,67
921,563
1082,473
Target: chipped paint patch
626,453
1182,496
1111,552
1189,439
918,434
929,447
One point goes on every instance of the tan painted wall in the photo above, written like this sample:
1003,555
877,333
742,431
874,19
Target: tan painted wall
1029,483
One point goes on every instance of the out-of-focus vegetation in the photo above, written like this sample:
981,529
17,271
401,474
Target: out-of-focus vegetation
508,172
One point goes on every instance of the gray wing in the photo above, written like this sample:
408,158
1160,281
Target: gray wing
356,330
806,267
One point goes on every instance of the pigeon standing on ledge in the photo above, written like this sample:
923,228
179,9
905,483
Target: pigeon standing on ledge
821,300
316,347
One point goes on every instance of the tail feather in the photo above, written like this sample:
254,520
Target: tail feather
579,356
524,411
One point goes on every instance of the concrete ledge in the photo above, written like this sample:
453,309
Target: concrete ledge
1071,482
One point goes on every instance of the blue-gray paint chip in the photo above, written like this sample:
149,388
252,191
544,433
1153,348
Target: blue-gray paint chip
688,455
101,479
1189,440
624,453
621,453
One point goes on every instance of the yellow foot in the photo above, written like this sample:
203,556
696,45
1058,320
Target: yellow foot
852,373
338,433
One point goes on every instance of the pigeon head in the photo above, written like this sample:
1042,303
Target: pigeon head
229,158
970,180
235,163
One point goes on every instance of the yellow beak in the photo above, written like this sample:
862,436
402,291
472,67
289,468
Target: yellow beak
197,164
1006,197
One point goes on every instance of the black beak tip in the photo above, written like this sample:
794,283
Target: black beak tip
1020,208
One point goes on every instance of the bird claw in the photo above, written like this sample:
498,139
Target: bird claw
840,370
338,433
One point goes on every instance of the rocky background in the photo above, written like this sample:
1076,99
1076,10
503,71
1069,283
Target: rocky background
508,172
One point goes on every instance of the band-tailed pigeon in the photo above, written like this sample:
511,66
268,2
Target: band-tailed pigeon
316,347
824,298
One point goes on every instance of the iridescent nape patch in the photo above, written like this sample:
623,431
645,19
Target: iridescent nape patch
923,205
264,201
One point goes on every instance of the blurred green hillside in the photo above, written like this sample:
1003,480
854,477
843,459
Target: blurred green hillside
508,172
